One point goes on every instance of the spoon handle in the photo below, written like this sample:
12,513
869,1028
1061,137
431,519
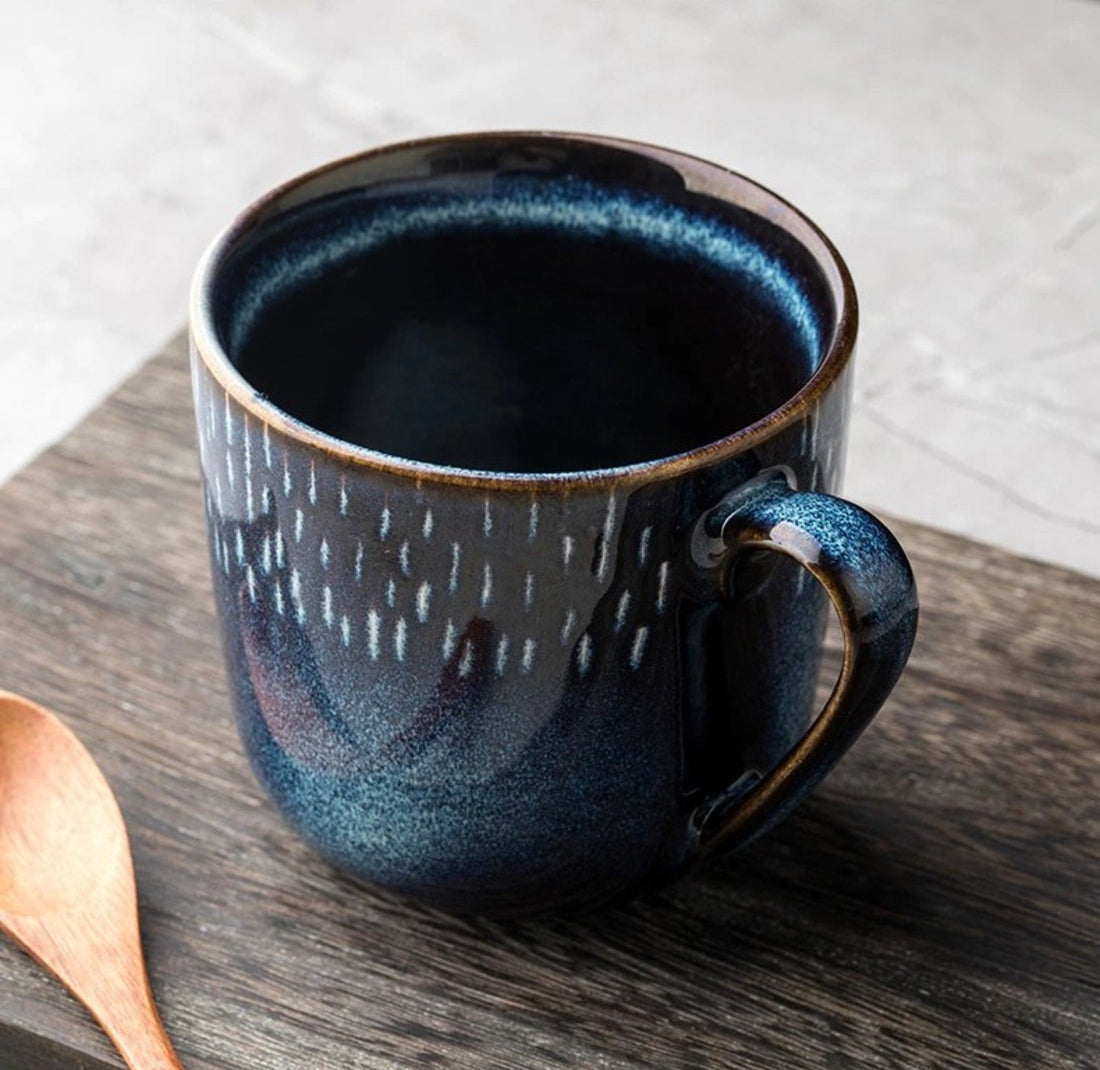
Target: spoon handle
105,970
131,1018
139,1035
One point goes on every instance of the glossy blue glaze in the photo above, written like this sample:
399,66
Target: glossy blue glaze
515,695
530,721
869,579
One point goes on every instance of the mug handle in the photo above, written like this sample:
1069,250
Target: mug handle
868,579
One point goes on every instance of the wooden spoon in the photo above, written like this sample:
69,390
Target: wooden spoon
67,893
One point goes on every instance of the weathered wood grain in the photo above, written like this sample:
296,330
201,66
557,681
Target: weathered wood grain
935,904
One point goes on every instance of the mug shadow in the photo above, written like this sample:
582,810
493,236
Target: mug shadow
864,896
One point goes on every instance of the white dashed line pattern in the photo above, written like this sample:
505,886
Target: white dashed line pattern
407,561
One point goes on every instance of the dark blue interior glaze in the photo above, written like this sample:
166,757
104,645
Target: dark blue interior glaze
522,324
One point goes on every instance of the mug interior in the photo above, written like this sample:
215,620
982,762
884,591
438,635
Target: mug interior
502,304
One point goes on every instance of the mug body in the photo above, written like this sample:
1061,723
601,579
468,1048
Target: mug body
498,690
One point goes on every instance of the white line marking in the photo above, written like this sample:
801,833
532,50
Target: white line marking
373,624
228,423
280,559
299,520
296,594
267,446
466,662
250,577
449,636
643,544
502,655
605,542
638,647
278,597
429,523
265,554
621,611
662,587
528,654
343,495
533,522
487,585
528,590
240,546
567,625
384,526
229,469
312,482
456,553
566,550
487,523
359,561
326,554
403,557
286,475
326,606
584,654
423,601
345,629
399,630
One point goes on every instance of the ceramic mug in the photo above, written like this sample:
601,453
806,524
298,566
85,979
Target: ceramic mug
518,452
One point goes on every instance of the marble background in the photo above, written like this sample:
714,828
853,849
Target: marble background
951,150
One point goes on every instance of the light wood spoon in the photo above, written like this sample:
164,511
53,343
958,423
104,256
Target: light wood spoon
67,892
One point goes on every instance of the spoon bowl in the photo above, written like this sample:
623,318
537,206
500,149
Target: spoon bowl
67,890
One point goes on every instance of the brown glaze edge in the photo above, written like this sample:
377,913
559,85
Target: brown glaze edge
700,176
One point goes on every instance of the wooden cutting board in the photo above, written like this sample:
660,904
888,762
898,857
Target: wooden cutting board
936,903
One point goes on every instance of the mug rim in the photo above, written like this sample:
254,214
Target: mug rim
699,175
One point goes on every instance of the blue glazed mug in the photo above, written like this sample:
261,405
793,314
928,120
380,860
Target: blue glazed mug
518,454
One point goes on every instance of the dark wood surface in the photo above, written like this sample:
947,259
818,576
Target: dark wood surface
935,904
